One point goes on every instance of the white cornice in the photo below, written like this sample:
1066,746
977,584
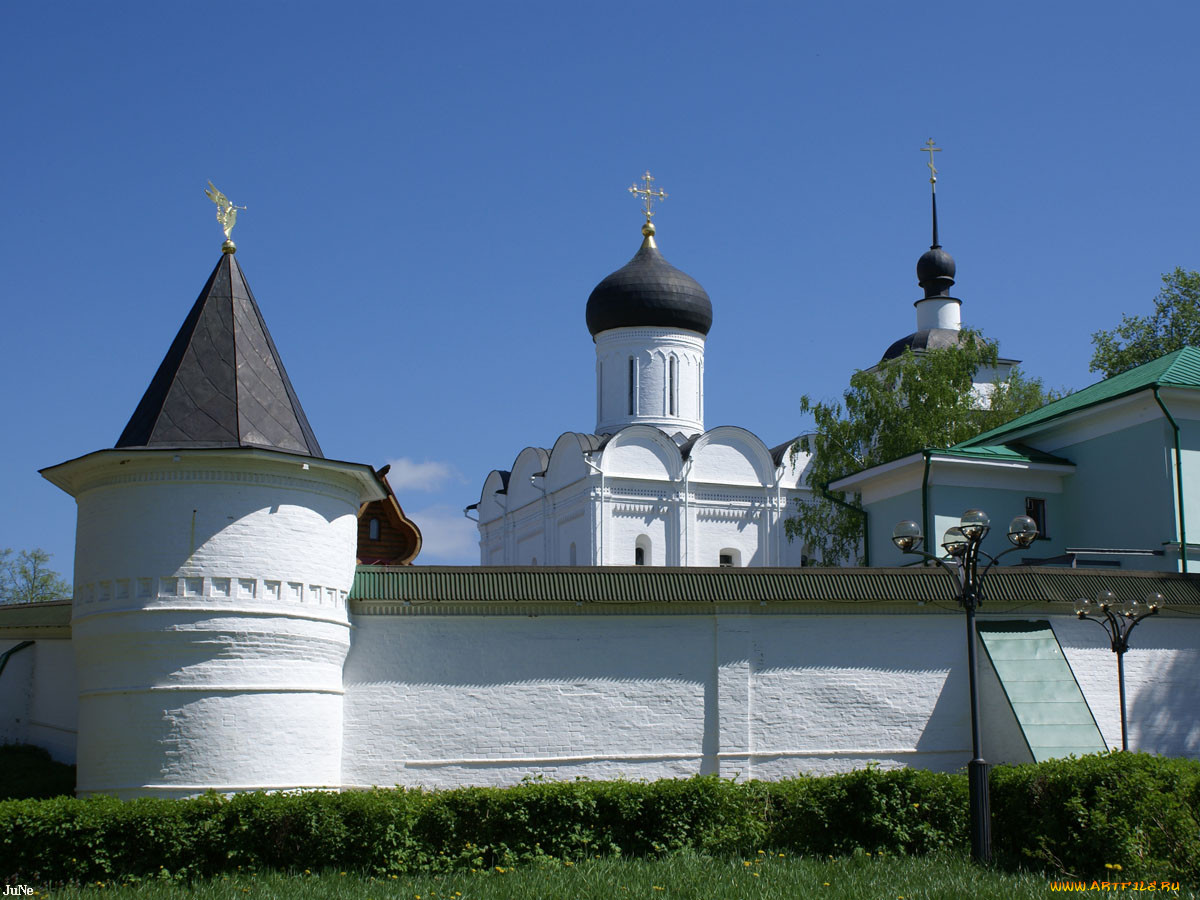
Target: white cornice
904,475
289,470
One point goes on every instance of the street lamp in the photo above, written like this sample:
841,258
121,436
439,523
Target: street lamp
962,545
1120,618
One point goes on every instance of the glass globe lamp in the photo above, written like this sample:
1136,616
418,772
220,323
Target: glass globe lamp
1022,531
1106,600
1154,602
907,536
955,541
1083,607
975,524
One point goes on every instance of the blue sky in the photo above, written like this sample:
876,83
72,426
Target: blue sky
434,189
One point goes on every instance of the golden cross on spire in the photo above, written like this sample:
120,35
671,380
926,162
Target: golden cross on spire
930,149
647,195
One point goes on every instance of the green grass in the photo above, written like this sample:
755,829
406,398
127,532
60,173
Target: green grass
684,877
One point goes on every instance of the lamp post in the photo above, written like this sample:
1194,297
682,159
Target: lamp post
1120,618
962,544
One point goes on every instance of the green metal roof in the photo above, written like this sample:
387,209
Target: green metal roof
644,584
1178,369
1041,689
1014,452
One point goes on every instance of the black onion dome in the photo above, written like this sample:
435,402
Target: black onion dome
648,290
935,271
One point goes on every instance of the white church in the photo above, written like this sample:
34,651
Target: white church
650,487
246,614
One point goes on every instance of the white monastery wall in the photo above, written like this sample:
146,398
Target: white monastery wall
444,697
1162,669
16,695
38,697
447,694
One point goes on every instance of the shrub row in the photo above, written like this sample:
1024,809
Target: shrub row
27,771
1079,816
1074,816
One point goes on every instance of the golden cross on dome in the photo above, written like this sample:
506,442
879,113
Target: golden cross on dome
647,194
930,149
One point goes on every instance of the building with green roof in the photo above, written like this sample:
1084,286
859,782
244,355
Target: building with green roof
1111,474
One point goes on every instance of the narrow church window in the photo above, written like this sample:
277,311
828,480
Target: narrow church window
729,559
573,562
672,384
373,529
632,388
641,551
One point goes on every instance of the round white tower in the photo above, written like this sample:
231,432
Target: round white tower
215,549
649,321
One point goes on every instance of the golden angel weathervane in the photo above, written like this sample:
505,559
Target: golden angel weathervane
226,215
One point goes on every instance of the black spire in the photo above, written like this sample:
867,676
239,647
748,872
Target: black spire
222,383
935,268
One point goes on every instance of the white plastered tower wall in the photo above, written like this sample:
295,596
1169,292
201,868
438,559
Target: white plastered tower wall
215,549
209,622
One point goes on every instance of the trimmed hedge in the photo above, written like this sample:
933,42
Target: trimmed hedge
1077,816
1071,816
28,772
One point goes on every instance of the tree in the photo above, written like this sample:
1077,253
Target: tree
1174,324
28,578
906,404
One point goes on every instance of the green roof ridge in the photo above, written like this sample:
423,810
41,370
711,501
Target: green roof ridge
645,584
1180,368
1013,451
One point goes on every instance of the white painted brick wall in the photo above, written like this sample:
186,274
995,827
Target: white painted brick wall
38,697
1162,670
438,697
445,699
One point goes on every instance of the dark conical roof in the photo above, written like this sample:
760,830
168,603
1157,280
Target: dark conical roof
222,383
648,290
